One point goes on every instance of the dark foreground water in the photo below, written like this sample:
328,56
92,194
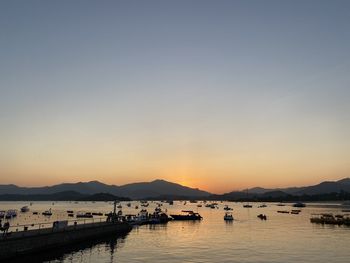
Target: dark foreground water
282,238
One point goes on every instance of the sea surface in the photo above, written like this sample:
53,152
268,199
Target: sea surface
281,238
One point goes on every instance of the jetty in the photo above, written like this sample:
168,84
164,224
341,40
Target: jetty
46,236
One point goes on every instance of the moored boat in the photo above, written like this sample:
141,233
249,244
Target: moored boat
11,214
187,215
24,209
228,216
47,212
299,204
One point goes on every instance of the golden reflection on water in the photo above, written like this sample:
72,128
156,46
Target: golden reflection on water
281,238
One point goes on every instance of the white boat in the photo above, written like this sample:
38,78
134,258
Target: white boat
228,216
24,209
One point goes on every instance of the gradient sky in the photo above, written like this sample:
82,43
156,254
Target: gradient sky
219,95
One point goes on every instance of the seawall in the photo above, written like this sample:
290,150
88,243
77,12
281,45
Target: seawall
33,241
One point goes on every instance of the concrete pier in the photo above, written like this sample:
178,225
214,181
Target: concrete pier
33,241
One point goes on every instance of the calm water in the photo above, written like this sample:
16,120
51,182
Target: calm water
282,238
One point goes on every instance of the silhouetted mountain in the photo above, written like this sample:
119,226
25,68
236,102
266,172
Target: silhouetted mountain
62,196
322,188
134,191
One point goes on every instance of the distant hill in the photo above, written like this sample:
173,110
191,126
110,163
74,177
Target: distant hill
62,196
135,191
322,188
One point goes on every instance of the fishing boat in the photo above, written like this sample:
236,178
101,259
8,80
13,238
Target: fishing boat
47,212
187,215
24,209
228,216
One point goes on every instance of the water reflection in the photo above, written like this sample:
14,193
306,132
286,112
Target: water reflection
108,245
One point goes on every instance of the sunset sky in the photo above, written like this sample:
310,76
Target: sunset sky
219,95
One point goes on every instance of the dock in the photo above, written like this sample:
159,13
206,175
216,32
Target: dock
28,241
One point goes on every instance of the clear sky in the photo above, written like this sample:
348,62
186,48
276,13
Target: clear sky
219,95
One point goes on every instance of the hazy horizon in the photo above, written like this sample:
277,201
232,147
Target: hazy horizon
218,95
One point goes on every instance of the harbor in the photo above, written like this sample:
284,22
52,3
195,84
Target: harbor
47,226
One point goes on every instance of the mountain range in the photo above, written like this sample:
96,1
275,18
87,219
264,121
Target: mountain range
135,190
163,189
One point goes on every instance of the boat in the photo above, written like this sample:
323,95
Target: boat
47,212
262,206
84,215
2,214
280,204
10,214
128,204
24,209
247,206
330,219
119,206
228,216
187,215
262,217
227,208
295,211
199,205
283,211
299,204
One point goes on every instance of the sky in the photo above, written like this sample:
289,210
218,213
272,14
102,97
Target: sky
220,95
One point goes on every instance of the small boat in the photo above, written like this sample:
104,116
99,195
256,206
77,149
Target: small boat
227,208
187,215
84,215
119,206
262,217
137,207
199,205
280,204
24,209
35,213
299,204
97,214
128,204
228,216
2,214
10,214
283,211
247,206
262,206
70,211
295,211
47,212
